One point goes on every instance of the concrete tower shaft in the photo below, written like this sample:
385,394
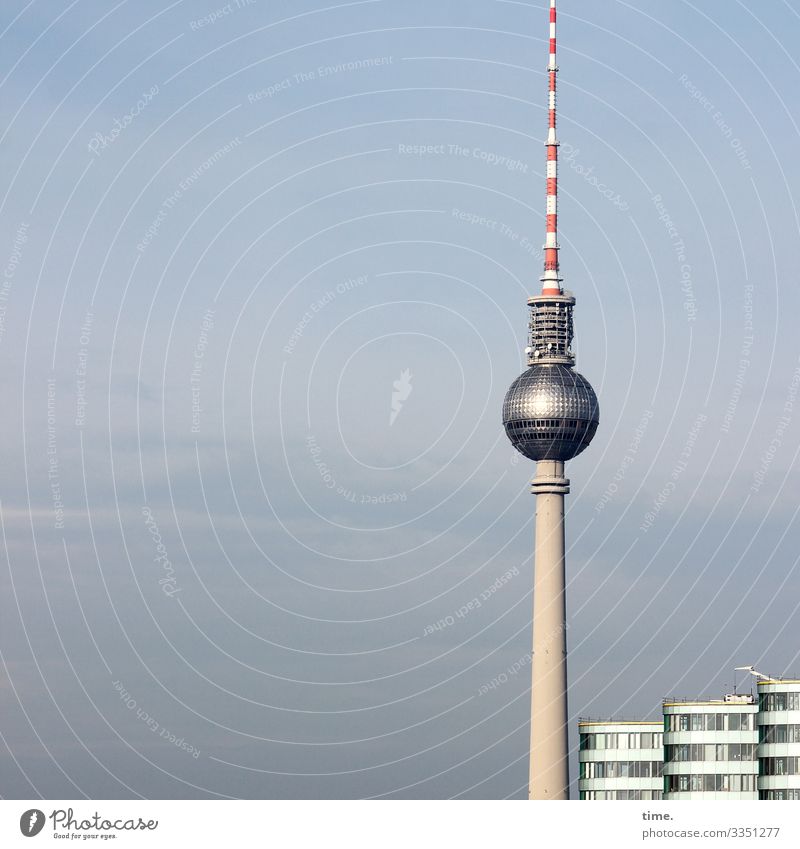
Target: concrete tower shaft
549,760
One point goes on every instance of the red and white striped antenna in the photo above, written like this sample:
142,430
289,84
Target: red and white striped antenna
550,328
551,281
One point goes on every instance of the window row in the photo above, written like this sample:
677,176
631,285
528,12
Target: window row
709,783
621,795
779,734
545,426
710,752
621,769
779,766
638,740
779,701
780,795
709,722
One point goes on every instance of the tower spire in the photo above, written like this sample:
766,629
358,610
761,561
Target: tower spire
551,281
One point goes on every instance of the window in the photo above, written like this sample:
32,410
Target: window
679,752
593,769
713,783
780,795
697,722
653,741
740,721
620,769
779,766
779,701
584,742
682,752
683,722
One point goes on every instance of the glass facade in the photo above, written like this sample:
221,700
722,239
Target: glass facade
779,734
626,740
710,783
780,795
621,769
709,722
620,761
710,752
779,740
620,795
710,749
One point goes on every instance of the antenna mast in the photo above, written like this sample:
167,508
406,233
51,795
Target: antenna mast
550,327
551,281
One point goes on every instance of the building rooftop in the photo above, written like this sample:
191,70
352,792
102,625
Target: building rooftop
730,699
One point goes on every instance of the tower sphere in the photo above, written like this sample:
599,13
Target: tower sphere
550,412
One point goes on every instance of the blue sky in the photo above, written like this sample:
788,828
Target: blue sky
227,232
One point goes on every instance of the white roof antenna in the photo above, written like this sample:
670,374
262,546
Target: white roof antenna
753,671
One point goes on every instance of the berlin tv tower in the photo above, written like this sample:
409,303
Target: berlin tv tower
550,414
